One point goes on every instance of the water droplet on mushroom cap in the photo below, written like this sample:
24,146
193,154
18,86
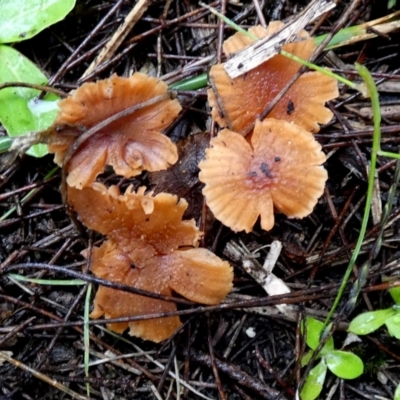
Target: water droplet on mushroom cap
243,99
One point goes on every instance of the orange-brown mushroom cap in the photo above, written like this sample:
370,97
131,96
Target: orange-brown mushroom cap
130,144
109,262
153,223
242,100
281,167
149,247
196,274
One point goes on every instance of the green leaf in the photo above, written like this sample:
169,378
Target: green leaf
369,322
393,325
20,111
22,19
391,4
306,358
314,382
395,293
314,330
5,144
344,364
397,393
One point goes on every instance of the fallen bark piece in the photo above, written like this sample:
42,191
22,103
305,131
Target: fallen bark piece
260,51
182,178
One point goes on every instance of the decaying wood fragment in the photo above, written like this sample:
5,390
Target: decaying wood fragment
391,112
271,283
264,49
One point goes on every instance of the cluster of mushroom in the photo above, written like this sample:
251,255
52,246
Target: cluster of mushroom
255,166
251,168
148,245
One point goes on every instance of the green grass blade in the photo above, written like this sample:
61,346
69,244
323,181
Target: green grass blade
5,144
369,81
324,71
343,36
86,336
194,83
50,282
389,154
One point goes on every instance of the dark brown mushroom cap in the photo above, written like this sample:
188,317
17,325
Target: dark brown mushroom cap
244,98
131,144
281,167
182,178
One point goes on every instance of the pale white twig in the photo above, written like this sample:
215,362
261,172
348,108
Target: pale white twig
178,379
264,276
262,50
120,34
155,392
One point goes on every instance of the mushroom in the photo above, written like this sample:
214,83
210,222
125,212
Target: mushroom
238,102
130,144
110,262
280,166
149,247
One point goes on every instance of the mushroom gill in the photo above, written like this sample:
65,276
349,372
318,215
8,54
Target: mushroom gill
280,167
237,103
130,144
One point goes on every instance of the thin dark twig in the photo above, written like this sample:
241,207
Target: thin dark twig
42,88
235,373
76,327
63,69
259,302
364,269
93,279
268,367
338,220
58,332
221,393
17,329
166,369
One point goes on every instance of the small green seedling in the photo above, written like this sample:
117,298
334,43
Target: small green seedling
343,364
397,393
20,109
371,321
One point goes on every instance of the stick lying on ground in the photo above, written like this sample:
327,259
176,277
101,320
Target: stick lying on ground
262,50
